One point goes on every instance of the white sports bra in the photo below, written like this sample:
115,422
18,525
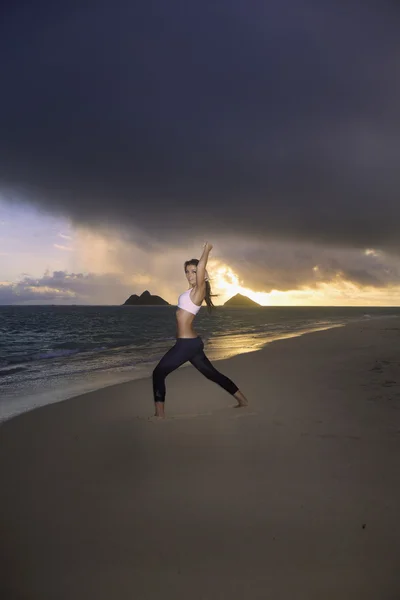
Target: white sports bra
185,302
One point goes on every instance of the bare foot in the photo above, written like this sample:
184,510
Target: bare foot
159,408
242,400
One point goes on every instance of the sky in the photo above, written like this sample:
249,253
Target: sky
133,132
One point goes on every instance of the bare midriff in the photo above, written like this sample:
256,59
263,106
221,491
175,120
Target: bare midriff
184,324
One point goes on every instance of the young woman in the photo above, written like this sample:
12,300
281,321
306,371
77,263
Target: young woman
189,345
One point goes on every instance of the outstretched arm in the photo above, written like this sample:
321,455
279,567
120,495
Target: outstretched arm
201,267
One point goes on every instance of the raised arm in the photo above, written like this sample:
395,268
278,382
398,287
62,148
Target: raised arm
201,267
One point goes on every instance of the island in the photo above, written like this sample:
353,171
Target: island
241,301
145,299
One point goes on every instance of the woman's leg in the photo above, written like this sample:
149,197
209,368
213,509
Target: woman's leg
202,364
181,352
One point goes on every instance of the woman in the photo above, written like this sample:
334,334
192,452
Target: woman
189,345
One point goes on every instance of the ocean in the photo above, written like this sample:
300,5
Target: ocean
52,353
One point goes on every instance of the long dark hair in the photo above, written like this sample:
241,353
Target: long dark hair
209,295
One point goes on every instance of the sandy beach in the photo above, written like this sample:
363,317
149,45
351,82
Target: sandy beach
296,496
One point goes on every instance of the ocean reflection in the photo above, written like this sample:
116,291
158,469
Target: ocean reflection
222,347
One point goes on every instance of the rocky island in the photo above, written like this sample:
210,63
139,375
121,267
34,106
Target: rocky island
241,301
145,299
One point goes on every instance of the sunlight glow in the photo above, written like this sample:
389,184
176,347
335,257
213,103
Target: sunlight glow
337,292
50,290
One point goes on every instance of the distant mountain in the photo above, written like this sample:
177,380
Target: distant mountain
240,300
145,299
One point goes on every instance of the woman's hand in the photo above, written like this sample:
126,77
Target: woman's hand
208,246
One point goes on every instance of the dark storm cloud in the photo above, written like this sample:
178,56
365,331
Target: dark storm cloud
277,119
284,266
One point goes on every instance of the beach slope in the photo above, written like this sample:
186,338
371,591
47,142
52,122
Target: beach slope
296,496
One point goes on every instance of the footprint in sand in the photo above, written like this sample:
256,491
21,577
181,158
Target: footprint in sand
149,419
239,414
244,414
172,417
191,416
218,412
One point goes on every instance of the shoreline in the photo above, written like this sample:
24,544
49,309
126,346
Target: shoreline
41,396
24,397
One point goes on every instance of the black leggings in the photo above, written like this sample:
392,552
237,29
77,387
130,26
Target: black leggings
185,349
